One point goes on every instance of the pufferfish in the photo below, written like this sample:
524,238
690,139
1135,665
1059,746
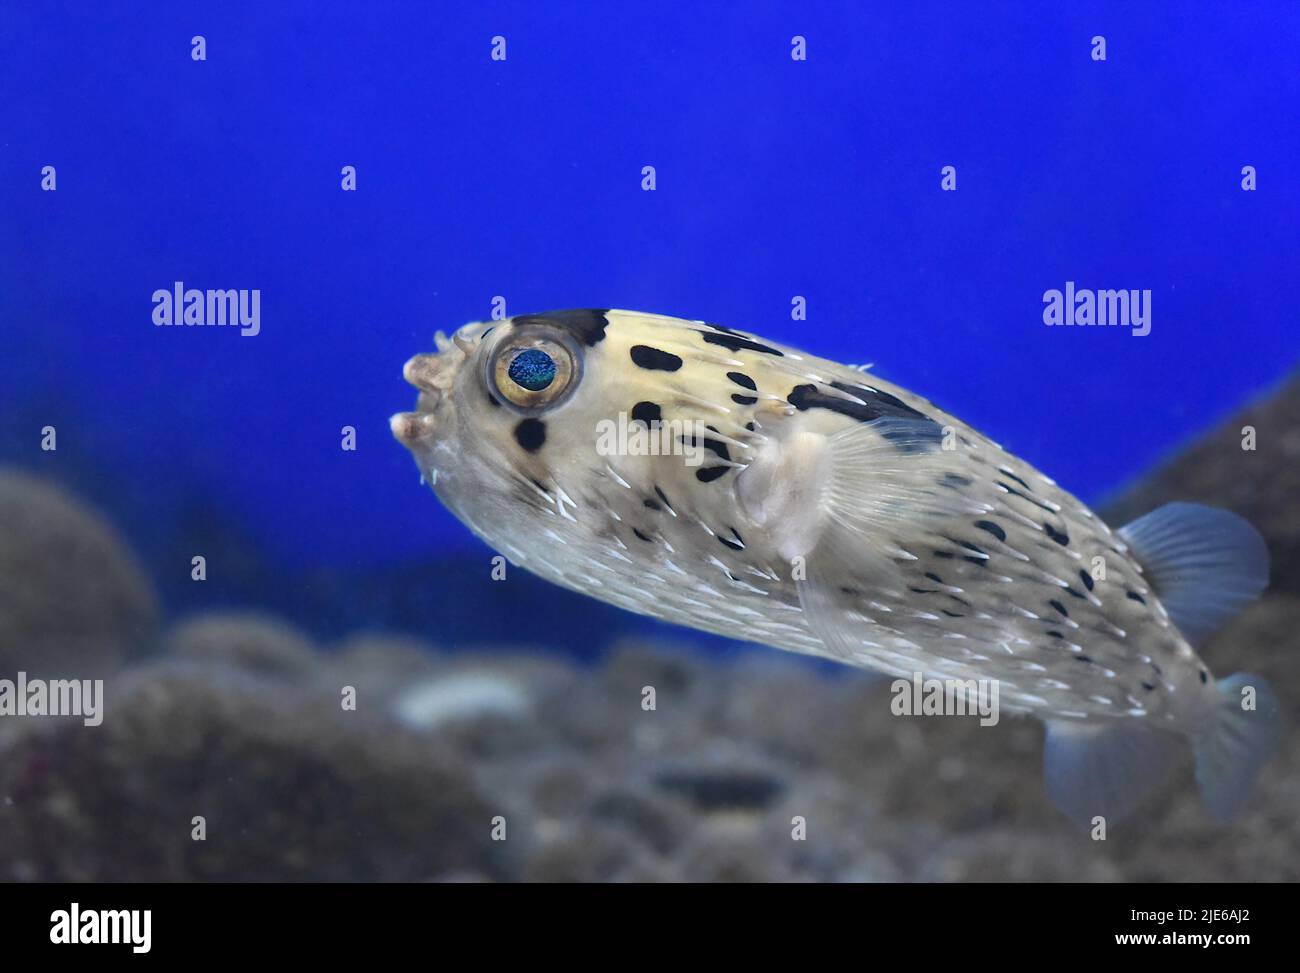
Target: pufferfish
840,516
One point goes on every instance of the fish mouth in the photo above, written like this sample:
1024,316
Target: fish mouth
413,430
432,375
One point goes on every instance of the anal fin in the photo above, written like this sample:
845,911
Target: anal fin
1104,768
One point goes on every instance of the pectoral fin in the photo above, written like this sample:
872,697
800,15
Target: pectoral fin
837,506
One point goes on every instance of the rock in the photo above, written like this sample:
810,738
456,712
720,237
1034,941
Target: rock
74,602
459,697
735,852
255,643
710,789
290,788
593,853
554,785
1010,855
1261,484
661,824
380,666
671,669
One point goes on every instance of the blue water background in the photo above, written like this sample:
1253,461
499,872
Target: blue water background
522,179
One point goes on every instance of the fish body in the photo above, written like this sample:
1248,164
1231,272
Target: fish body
717,480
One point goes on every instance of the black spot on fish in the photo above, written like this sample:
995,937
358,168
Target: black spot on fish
1055,634
992,528
1205,676
586,325
1148,686
924,591
647,412
1086,660
652,359
914,439
664,497
640,535
888,404
731,544
1134,596
934,577
872,406
955,481
1059,607
735,342
736,534
1024,496
749,426
952,614
804,397
1076,594
653,504
530,434
1086,578
1008,473
945,555
720,449
739,399
743,380
1060,536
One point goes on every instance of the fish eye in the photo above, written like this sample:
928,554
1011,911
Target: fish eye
533,371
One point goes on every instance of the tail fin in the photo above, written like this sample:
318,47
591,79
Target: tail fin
1236,742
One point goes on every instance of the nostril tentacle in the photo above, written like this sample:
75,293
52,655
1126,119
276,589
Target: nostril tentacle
426,373
410,428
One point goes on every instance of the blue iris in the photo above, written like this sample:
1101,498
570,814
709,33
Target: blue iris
532,369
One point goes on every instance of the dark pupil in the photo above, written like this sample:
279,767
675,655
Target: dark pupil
532,369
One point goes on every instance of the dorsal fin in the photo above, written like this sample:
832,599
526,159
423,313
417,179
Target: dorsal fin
1205,564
